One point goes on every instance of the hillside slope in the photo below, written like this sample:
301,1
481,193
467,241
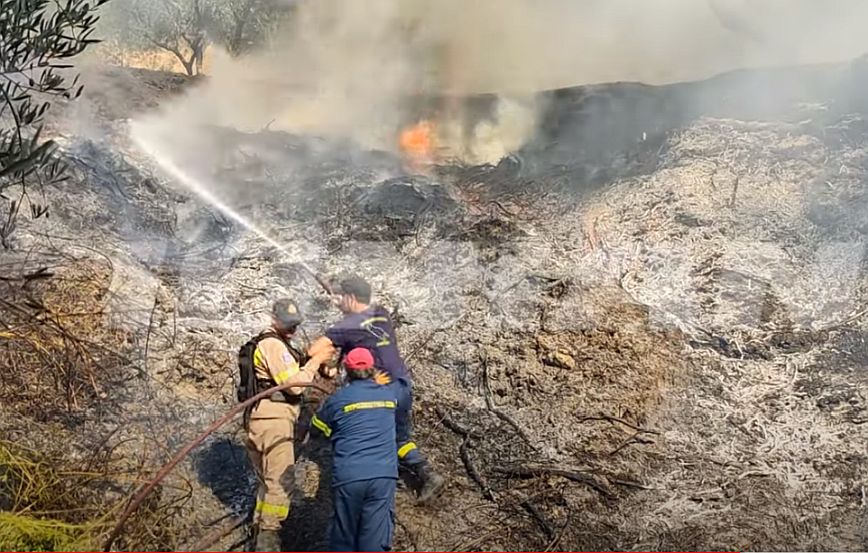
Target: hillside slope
645,329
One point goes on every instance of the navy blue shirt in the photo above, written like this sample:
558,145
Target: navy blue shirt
371,329
360,421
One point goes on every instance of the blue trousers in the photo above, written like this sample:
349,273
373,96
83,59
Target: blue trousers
408,454
364,516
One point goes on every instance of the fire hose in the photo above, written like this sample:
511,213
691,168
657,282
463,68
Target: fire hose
316,276
149,486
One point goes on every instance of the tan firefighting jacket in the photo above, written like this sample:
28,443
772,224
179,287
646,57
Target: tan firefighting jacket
272,360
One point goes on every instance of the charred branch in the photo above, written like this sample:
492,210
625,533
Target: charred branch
539,518
447,421
464,452
473,472
486,390
585,478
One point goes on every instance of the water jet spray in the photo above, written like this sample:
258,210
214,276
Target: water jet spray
145,142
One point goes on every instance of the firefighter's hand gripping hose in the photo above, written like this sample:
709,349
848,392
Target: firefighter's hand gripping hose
149,486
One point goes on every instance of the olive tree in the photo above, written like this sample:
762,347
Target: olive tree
177,26
38,39
187,27
241,25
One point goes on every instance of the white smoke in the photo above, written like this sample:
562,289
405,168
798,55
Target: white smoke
346,68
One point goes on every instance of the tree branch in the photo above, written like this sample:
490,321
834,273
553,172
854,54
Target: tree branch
574,475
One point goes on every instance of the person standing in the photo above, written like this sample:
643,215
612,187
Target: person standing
370,326
359,419
267,360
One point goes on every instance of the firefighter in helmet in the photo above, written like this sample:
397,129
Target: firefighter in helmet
267,360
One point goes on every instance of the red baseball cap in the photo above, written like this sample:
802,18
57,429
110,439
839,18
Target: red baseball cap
359,359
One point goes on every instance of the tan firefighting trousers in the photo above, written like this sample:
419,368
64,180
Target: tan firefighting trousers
272,454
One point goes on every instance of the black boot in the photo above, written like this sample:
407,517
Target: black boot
432,483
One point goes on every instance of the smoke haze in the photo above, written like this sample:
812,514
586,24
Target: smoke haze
347,68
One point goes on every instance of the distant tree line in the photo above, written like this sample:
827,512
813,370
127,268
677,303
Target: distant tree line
185,28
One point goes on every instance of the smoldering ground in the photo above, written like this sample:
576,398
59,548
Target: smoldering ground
347,69
685,259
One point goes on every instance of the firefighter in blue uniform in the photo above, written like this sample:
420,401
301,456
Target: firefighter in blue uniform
370,326
359,419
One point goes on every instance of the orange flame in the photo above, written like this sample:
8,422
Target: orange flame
417,143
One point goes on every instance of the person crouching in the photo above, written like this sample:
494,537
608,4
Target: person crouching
359,419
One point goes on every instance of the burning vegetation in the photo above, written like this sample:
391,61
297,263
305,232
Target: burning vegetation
602,360
635,314
418,144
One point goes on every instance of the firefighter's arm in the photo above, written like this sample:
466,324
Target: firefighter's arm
322,348
282,366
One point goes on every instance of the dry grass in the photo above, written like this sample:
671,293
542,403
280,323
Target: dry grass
46,506
64,366
53,499
156,60
56,349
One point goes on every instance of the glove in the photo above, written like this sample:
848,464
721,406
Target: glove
382,378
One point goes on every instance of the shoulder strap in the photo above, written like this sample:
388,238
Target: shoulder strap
267,334
300,356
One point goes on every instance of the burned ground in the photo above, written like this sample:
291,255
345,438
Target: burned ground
643,330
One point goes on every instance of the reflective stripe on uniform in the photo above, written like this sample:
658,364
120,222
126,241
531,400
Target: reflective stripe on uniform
383,337
258,361
272,509
323,427
282,376
369,405
372,320
405,449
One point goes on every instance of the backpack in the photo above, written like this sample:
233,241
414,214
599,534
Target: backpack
248,385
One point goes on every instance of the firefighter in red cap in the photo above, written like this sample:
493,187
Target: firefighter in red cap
370,326
359,419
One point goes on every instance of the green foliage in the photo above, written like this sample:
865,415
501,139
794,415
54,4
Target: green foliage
28,485
25,483
39,37
27,533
